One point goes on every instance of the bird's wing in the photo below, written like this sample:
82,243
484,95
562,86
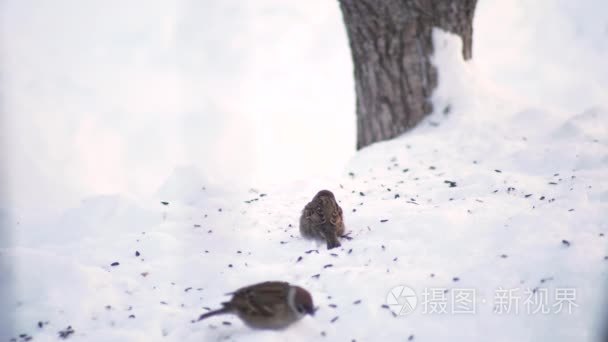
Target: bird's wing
261,299
313,212
336,215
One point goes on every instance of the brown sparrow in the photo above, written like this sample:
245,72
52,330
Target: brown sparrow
269,305
322,219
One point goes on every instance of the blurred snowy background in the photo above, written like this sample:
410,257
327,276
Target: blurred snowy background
105,97
108,106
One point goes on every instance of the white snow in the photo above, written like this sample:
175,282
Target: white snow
109,98
528,211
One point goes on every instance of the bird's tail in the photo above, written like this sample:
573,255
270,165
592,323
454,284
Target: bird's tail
332,242
226,309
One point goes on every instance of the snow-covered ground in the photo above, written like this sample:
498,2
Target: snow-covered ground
493,197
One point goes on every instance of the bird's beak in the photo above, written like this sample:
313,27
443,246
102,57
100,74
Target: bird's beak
312,311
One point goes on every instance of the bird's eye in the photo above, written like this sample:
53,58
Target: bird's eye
300,309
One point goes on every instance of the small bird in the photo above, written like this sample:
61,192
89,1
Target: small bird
322,219
269,305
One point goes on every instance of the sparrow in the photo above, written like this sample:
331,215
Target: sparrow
322,219
269,305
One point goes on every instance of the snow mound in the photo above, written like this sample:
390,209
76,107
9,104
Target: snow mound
590,125
184,184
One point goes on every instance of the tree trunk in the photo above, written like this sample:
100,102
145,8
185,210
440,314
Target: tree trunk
391,44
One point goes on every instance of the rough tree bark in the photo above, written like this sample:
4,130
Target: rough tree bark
391,45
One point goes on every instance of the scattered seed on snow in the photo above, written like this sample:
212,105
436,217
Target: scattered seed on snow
65,333
543,280
452,184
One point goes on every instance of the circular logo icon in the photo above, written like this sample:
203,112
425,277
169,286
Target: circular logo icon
401,300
